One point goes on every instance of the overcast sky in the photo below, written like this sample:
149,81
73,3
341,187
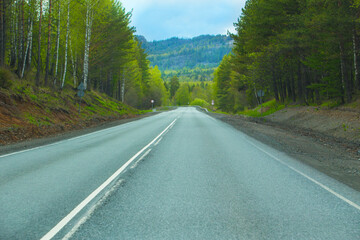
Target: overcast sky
162,19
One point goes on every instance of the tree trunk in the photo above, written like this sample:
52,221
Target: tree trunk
66,43
87,44
2,32
48,47
27,47
356,59
73,64
275,87
57,44
21,38
346,85
33,6
39,49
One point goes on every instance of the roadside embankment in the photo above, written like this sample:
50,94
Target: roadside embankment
28,112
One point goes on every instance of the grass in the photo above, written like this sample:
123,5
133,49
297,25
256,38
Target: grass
266,109
44,106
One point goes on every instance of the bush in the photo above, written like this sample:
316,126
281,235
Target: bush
6,78
200,102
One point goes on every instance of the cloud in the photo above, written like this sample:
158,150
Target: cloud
160,19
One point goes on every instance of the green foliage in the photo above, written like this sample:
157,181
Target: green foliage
176,53
190,59
182,96
174,86
101,50
267,108
304,52
200,102
6,78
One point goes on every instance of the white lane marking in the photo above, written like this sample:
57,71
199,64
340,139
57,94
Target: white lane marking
87,200
92,210
310,178
158,141
140,159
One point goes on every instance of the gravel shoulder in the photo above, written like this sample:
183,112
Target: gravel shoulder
334,156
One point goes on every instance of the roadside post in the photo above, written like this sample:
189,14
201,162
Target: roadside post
152,104
260,94
212,104
81,94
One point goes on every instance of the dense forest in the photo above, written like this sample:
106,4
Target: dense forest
60,43
191,59
293,50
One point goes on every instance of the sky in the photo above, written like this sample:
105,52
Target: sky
163,19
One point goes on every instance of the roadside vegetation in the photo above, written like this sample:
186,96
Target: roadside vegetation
58,44
28,111
296,52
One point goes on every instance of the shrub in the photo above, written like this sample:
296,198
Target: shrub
6,78
200,102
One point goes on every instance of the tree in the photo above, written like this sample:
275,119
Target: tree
37,78
182,96
174,86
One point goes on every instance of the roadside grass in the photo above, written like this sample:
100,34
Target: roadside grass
266,109
46,106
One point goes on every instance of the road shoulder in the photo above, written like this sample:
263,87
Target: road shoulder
334,157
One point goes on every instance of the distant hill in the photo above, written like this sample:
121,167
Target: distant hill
191,59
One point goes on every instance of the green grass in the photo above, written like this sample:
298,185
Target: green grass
268,108
330,104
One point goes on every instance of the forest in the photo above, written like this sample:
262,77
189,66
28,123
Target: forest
58,44
295,51
192,59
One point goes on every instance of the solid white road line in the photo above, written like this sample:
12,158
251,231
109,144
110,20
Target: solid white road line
309,178
87,200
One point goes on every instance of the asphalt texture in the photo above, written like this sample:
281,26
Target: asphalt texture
200,179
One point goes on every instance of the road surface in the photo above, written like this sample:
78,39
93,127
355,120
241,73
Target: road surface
175,175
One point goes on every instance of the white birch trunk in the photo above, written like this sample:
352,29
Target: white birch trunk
30,46
73,64
355,59
66,44
57,43
27,48
86,55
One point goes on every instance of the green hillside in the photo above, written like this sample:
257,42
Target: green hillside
191,59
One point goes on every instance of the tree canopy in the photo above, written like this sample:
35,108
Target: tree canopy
66,42
293,50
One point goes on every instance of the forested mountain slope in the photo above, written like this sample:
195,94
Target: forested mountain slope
188,57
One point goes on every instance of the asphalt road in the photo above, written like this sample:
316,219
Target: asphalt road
175,175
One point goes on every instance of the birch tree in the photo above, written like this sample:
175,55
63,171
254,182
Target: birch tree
57,42
48,47
66,43
37,78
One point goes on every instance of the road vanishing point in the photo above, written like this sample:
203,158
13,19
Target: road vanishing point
176,175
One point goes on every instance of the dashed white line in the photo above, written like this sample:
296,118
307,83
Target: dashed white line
88,199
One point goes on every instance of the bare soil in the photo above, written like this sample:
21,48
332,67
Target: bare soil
327,140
